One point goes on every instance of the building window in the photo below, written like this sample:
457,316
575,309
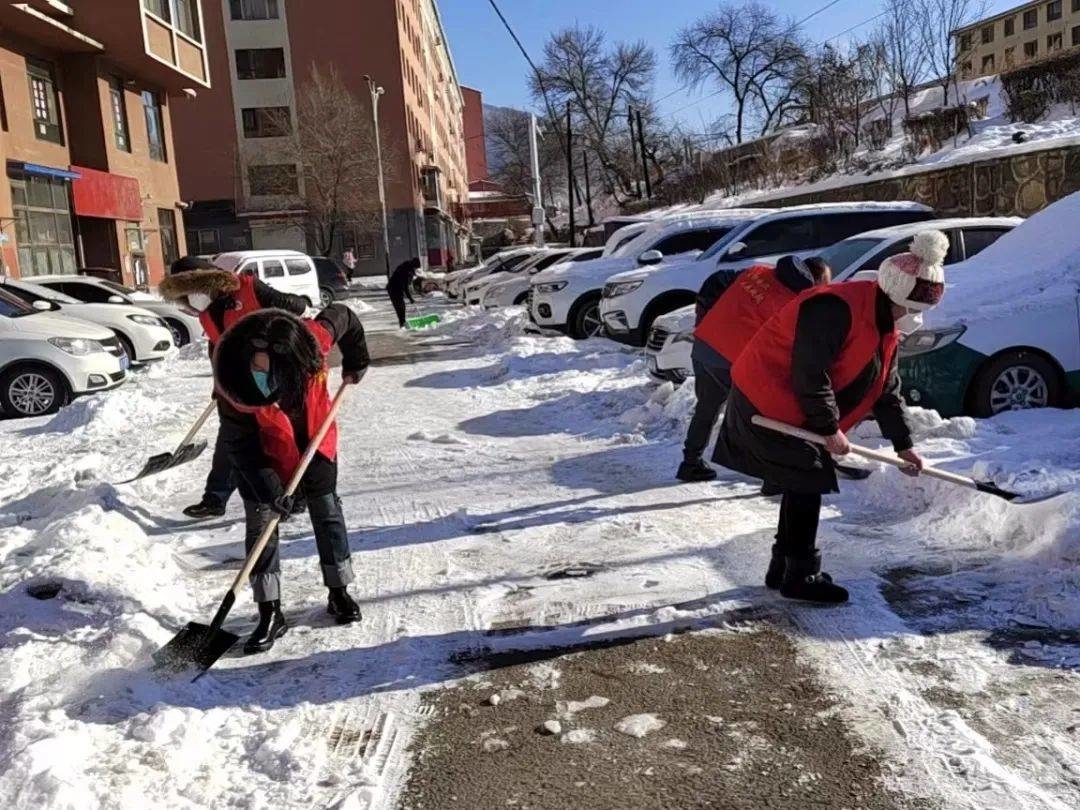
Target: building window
988,64
1010,24
43,233
1031,19
207,241
254,9
1053,11
988,34
159,8
187,18
966,70
1031,49
1053,43
1076,5
266,122
260,63
133,237
273,179
170,251
119,115
1075,39
155,126
1010,58
44,101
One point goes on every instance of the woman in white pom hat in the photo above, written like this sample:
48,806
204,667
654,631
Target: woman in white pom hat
823,363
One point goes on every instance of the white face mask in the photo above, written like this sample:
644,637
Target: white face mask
199,301
912,322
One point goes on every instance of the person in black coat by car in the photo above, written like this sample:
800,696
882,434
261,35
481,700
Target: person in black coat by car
400,287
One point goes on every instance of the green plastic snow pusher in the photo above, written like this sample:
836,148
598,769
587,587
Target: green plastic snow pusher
422,321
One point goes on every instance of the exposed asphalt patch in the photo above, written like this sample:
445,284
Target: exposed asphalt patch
714,719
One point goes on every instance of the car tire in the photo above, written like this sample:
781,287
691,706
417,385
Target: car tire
180,334
1016,380
585,321
521,299
32,391
129,347
326,297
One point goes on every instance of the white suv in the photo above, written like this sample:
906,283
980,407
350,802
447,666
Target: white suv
567,297
632,300
289,271
46,358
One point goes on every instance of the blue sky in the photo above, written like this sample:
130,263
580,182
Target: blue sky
487,59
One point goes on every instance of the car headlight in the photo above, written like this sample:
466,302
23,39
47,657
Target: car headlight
551,286
145,320
79,347
686,336
930,340
621,288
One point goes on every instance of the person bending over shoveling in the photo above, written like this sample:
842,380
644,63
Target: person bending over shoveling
731,306
822,363
220,298
271,368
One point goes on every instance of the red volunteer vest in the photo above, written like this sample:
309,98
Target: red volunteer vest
276,431
246,302
745,306
763,370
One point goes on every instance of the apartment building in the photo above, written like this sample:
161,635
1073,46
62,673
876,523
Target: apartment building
262,53
87,92
1015,37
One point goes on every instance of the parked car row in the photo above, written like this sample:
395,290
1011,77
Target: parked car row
640,291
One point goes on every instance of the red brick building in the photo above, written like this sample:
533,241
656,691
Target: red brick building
475,144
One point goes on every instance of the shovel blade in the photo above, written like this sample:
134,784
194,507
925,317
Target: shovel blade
1014,497
166,461
197,646
189,452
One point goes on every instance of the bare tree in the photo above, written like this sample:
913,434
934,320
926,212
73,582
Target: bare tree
905,63
333,146
938,19
751,55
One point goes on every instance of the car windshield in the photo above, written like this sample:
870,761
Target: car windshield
843,254
12,307
35,292
120,288
617,248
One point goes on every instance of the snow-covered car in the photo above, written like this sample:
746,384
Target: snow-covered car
967,237
499,263
289,271
46,358
632,300
184,325
536,261
667,351
567,298
144,336
1006,336
514,289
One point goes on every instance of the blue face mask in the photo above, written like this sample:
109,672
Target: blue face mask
262,382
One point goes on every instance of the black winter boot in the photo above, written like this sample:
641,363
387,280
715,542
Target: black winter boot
694,471
803,580
774,577
342,606
270,628
206,508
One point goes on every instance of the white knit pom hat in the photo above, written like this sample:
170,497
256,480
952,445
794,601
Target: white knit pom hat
916,280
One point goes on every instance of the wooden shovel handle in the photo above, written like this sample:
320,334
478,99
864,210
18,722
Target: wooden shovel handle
865,452
197,426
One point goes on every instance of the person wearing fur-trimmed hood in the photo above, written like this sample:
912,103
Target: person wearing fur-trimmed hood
824,362
221,298
271,367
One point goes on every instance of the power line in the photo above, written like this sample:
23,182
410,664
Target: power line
525,53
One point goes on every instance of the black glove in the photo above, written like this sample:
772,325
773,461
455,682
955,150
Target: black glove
283,506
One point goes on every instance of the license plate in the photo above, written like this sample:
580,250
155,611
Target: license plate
125,362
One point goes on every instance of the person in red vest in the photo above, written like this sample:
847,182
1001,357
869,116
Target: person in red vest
823,363
271,367
221,298
731,306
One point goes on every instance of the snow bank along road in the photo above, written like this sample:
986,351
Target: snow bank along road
471,479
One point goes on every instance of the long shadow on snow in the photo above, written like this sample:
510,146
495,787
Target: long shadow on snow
521,365
580,413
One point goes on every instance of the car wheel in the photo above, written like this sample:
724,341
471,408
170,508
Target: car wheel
521,299
32,391
129,347
180,335
586,321
1016,381
326,298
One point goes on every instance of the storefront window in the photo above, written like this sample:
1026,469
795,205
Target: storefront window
43,232
167,225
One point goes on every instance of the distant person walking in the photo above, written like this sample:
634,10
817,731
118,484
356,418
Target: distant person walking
400,287
731,306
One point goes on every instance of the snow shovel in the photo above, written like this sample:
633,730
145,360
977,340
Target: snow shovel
188,450
421,321
886,458
200,645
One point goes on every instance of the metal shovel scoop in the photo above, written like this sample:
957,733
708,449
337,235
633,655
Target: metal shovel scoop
188,450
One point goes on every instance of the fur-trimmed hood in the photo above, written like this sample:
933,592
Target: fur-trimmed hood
233,351
213,283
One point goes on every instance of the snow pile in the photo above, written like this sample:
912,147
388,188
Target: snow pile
667,412
359,306
486,329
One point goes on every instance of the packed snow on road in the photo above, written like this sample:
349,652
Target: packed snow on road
493,478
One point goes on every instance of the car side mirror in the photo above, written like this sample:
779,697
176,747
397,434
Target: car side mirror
116,299
41,305
651,257
735,250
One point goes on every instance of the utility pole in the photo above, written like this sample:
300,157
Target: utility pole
570,170
376,92
538,203
633,147
644,162
588,188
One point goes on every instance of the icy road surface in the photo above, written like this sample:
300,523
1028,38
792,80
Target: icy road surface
480,470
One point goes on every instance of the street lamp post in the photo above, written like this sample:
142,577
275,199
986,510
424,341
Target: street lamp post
377,91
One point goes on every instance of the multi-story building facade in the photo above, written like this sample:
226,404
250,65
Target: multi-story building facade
262,53
1015,37
87,92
